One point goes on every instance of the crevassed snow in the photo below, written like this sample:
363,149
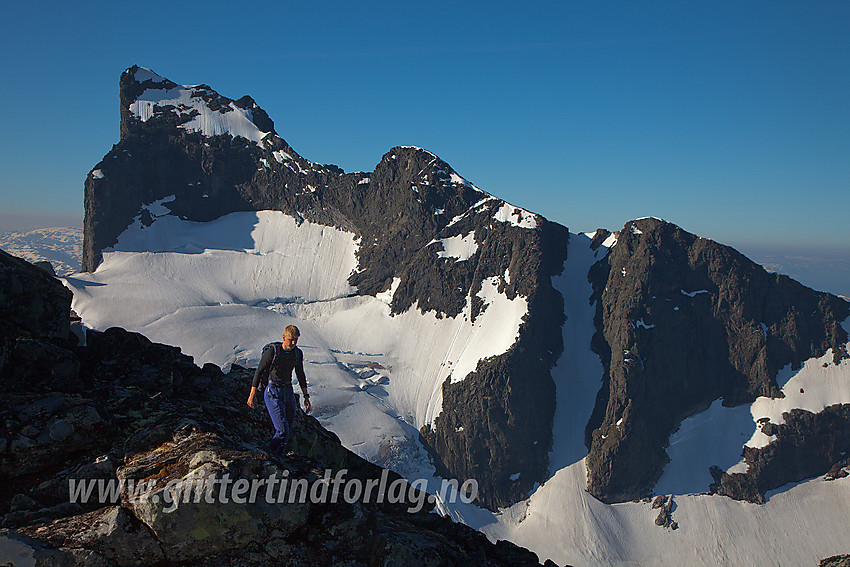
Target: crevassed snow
516,216
186,101
454,345
221,290
458,247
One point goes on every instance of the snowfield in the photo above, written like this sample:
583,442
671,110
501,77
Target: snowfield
221,290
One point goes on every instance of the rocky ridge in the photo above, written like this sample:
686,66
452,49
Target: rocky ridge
124,409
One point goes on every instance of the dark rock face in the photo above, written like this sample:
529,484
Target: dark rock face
498,421
32,300
34,327
683,321
807,445
142,412
398,211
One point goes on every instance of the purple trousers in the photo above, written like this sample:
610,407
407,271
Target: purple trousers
281,405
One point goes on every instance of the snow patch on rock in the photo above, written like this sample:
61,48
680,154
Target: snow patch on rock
459,247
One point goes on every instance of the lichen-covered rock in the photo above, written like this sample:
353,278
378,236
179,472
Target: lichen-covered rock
112,532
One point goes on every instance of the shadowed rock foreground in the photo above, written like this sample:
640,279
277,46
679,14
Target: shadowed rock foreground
124,410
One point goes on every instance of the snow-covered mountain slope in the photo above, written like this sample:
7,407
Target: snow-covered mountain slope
427,239
373,371
61,246
682,322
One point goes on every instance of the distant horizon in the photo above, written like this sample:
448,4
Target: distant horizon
821,268
24,221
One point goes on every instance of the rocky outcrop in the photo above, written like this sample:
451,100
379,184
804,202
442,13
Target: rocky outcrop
34,327
683,321
173,152
807,445
177,444
33,303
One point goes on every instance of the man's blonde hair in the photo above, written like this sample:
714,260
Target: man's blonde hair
291,332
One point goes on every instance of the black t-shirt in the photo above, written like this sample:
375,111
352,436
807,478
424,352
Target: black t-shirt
277,364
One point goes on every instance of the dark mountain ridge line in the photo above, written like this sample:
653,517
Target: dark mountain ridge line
411,199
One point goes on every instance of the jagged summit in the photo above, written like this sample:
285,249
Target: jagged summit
146,96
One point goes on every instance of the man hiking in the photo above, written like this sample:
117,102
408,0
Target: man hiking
277,363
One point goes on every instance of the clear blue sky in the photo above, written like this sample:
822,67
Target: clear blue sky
731,119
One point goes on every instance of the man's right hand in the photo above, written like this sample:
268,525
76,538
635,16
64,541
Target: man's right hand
252,403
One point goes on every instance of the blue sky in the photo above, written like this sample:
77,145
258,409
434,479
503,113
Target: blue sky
730,119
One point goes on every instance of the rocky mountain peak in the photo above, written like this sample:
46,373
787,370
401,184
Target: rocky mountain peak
423,231
146,96
681,321
657,290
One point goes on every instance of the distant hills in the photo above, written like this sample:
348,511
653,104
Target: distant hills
61,246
